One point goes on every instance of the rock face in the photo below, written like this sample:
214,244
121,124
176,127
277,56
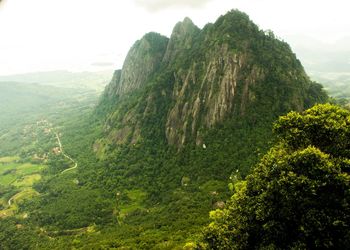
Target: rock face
197,79
143,60
110,91
201,101
181,39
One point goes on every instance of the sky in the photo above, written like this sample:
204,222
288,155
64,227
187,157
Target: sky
90,35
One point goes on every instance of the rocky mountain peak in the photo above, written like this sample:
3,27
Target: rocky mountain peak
181,39
186,25
142,61
228,71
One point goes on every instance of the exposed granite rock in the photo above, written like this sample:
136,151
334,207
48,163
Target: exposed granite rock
181,39
200,78
201,101
110,90
143,59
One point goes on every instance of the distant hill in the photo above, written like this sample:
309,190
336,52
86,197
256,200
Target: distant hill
26,103
20,100
78,80
327,63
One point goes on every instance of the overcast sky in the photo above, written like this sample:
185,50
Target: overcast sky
42,35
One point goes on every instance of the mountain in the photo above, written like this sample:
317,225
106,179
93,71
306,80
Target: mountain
182,117
186,113
227,70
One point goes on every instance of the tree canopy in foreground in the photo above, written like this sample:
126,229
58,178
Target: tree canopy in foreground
298,196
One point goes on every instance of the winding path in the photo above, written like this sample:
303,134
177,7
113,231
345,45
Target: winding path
64,171
65,155
10,200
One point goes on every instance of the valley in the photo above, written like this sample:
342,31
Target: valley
17,177
197,137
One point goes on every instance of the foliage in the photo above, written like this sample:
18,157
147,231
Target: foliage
16,235
298,196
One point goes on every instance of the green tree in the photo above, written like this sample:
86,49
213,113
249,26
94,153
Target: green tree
298,196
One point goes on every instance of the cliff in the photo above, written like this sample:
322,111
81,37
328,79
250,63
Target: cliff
201,78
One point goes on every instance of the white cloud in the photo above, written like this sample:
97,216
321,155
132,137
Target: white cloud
38,35
157,5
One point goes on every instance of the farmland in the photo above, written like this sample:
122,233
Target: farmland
16,183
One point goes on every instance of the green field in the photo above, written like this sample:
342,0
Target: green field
28,168
136,198
24,194
11,171
17,180
15,172
6,180
8,159
27,180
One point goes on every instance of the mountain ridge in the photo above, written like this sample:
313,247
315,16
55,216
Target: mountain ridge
226,68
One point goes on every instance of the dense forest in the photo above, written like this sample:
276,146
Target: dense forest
219,121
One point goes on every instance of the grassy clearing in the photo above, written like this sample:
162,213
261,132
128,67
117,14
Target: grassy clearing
136,198
136,195
27,181
6,212
28,169
6,180
14,173
27,193
8,159
7,169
